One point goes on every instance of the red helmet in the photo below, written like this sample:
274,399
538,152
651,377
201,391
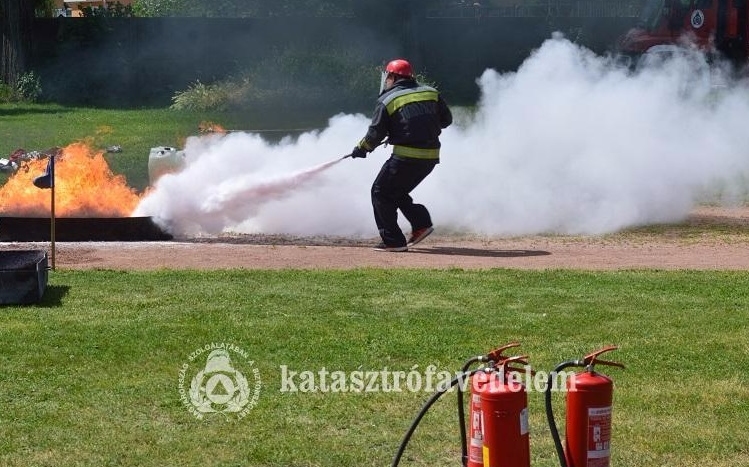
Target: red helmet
400,67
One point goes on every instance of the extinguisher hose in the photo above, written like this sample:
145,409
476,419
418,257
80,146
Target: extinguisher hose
437,394
461,411
549,409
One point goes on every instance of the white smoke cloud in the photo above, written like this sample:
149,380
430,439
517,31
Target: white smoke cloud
570,143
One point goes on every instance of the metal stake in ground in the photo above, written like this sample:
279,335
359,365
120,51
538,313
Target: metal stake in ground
48,181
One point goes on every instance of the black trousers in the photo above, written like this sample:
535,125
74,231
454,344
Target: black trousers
391,192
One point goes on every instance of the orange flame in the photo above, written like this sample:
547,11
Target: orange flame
210,127
84,187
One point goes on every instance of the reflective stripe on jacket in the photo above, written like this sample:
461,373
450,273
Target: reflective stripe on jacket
411,116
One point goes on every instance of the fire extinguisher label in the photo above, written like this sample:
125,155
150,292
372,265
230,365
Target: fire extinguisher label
524,426
599,436
476,451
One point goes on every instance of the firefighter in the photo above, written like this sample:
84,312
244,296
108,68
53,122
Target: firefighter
412,117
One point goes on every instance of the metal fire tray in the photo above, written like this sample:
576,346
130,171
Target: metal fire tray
81,229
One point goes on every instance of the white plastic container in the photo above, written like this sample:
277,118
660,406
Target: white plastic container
163,160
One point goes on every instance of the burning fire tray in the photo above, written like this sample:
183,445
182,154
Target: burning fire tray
81,229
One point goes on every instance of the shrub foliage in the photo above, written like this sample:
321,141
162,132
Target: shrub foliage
290,78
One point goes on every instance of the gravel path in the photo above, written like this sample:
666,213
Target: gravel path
711,238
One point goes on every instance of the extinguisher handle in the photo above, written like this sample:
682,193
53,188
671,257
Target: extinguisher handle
591,359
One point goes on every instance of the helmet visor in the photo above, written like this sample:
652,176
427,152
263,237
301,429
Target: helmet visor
383,78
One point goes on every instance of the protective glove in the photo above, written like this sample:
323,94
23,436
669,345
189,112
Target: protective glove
358,152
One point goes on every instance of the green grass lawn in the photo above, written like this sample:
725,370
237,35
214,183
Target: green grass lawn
42,126
90,376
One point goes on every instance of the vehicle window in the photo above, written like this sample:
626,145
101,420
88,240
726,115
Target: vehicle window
651,14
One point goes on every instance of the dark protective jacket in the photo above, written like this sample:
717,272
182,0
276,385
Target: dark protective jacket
412,117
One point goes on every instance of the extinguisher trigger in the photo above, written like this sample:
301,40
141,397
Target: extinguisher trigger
519,359
496,355
517,369
608,363
591,359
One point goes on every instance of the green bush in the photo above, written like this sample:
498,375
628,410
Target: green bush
116,10
200,96
29,87
318,77
7,93
289,79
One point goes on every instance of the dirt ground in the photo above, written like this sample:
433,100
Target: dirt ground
711,238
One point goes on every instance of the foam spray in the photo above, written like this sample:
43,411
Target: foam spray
263,190
569,143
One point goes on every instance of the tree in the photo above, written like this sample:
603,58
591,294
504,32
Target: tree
244,8
16,17
44,8
158,7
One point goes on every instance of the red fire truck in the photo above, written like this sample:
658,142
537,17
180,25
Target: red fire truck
720,26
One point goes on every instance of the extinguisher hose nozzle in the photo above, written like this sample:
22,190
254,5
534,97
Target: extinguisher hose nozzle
461,409
549,408
437,394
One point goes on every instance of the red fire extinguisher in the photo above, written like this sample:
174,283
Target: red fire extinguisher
588,421
475,420
498,415
501,408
